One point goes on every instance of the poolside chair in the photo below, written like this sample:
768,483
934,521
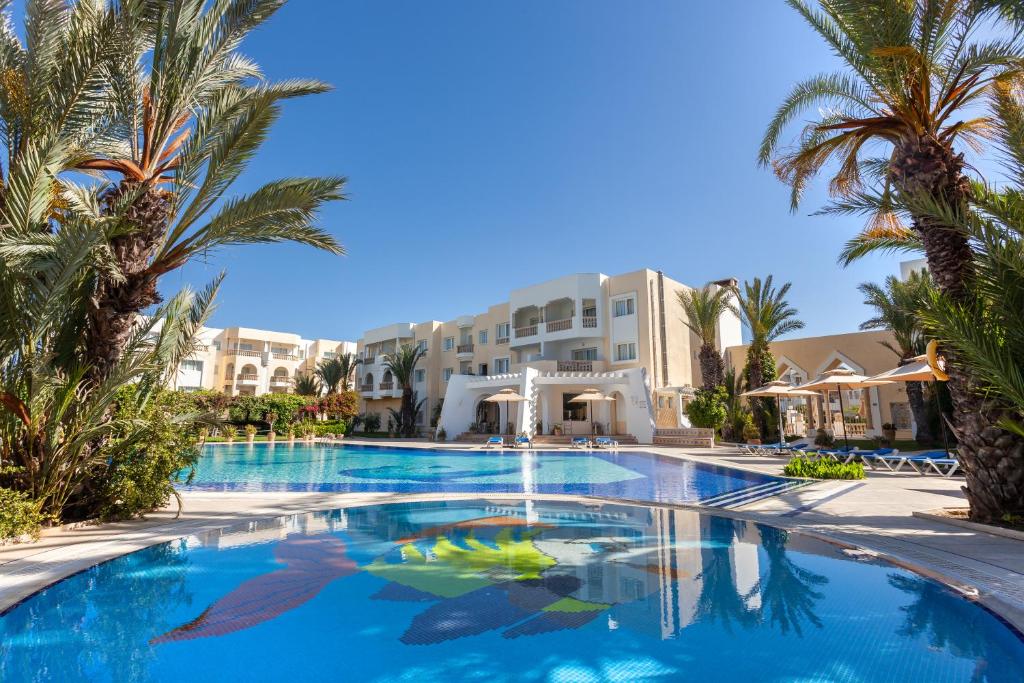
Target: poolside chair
580,442
495,442
605,442
943,466
522,441
869,457
895,462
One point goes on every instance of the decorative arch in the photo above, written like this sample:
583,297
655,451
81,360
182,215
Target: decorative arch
837,358
249,369
281,372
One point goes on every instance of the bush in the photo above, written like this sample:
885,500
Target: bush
331,428
284,409
371,422
750,430
19,515
141,478
708,408
823,469
229,432
250,430
823,438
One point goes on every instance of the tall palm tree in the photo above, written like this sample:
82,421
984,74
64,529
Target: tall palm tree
702,309
348,363
898,305
914,75
768,316
330,374
402,364
187,112
306,385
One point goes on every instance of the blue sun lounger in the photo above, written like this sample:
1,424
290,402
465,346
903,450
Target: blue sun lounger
495,442
580,442
605,442
941,465
523,441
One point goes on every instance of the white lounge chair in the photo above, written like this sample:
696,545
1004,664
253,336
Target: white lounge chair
945,467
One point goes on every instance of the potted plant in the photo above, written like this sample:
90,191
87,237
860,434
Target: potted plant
556,430
308,431
230,432
442,435
203,433
750,432
889,432
271,419
290,433
250,433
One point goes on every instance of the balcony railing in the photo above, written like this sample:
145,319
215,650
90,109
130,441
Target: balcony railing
280,379
248,378
528,331
285,356
559,325
387,386
202,347
243,352
365,388
589,321
501,340
464,348
575,366
368,359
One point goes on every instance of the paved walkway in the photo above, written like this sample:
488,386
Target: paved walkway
875,514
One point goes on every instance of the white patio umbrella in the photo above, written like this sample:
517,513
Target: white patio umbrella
918,370
589,395
506,396
842,378
778,389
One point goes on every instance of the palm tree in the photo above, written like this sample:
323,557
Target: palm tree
702,309
306,385
185,112
330,374
348,363
768,316
915,71
898,307
402,364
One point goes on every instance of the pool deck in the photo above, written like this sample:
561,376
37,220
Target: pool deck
875,514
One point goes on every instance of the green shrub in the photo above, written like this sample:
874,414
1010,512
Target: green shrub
823,438
708,408
250,430
371,422
823,469
19,515
230,432
330,428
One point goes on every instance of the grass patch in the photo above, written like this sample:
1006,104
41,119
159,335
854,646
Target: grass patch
823,469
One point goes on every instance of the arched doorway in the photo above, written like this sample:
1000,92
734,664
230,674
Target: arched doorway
487,416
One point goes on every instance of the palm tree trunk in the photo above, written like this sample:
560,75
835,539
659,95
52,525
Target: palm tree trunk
755,378
407,427
915,397
992,458
117,302
712,367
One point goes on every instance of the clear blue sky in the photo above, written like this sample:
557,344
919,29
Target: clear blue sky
492,145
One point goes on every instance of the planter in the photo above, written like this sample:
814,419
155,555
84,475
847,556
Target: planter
271,436
250,439
291,438
231,439
754,442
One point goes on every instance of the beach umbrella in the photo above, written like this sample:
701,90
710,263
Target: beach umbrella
588,396
839,379
506,396
919,369
778,389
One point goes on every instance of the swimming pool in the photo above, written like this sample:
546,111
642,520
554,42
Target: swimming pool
623,475
498,591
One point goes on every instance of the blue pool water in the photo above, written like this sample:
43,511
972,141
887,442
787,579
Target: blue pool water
627,475
492,591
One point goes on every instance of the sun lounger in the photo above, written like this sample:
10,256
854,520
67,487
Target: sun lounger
495,442
580,442
943,466
869,457
605,442
523,441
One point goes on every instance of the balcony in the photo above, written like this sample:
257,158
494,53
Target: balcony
285,356
501,340
246,353
528,331
367,360
280,380
463,350
387,386
366,388
248,379
590,321
575,366
559,325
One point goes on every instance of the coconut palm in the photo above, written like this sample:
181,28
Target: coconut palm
347,363
702,309
330,374
898,305
768,316
402,364
306,385
186,113
915,73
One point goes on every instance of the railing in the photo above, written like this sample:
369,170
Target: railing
202,347
575,366
464,348
285,356
387,386
528,331
280,379
242,352
559,325
501,340
854,429
365,387
368,359
589,321
248,378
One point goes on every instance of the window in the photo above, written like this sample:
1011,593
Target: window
575,411
624,307
282,350
422,345
585,354
501,330
420,376
330,355
625,351
482,336
196,365
501,365
482,369
447,374
216,345
449,343
243,347
589,310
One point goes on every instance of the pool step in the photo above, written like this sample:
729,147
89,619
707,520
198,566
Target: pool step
735,499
